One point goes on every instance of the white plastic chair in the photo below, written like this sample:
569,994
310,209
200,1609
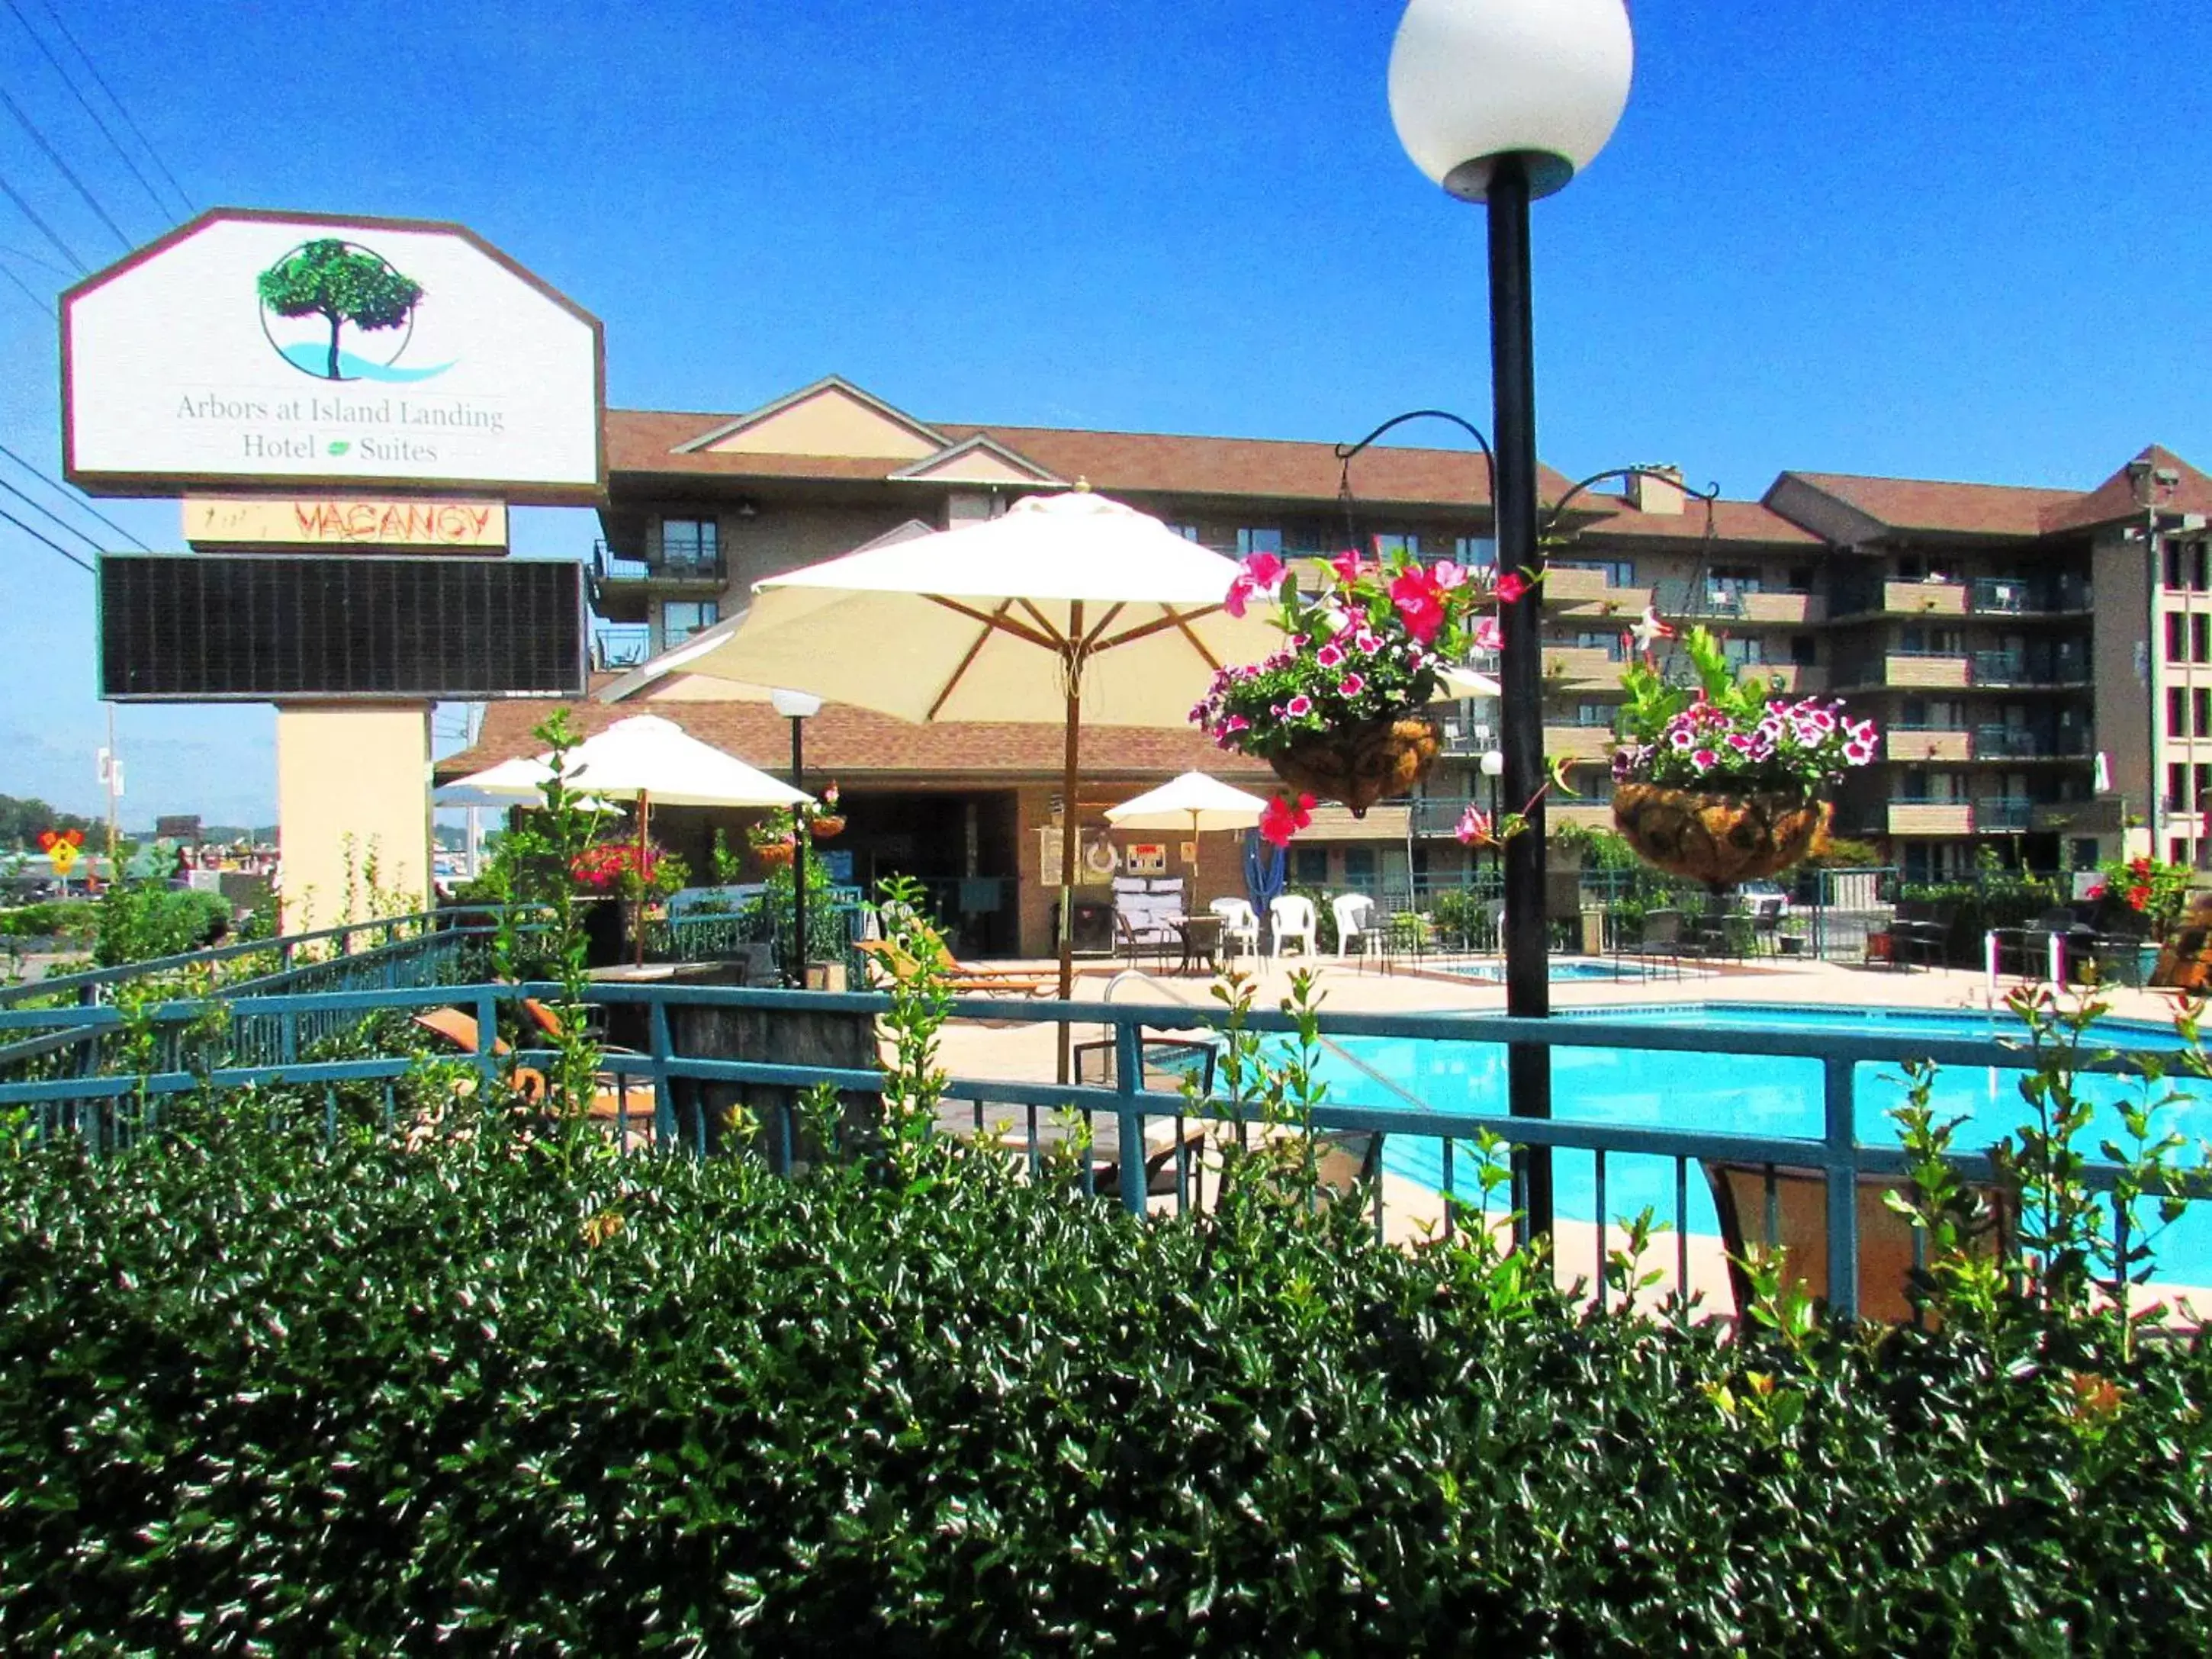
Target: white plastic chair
1292,917
1355,918
1240,927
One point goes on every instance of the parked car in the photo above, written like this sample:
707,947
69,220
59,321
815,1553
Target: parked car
1764,899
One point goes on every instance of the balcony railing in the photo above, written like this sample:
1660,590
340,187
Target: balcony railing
616,645
2043,668
2004,812
2010,743
1999,596
701,565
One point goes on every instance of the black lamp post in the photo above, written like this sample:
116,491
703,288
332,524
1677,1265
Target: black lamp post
798,706
1502,102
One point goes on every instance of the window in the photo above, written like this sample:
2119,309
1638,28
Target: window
1801,579
1359,869
1802,650
2203,781
1476,550
1309,867
1617,573
1187,532
2176,554
1590,640
1408,544
2177,786
1595,713
1745,653
2200,708
690,547
2176,713
1259,541
681,618
2175,623
2200,638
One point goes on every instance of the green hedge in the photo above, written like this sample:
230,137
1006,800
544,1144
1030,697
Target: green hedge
74,920
503,1397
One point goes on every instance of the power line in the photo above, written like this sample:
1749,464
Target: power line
101,82
66,170
44,229
52,517
69,495
37,299
32,259
36,537
84,103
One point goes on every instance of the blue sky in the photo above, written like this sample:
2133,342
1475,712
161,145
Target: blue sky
1874,236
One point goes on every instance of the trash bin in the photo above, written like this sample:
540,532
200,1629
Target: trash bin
1593,932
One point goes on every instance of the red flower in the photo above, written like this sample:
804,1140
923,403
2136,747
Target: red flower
2096,892
1420,603
1347,566
1511,585
2139,898
1280,820
1260,573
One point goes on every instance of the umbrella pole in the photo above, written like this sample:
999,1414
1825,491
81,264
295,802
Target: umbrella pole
644,806
1068,856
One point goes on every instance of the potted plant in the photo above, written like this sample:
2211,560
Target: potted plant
824,820
774,839
1720,781
1339,710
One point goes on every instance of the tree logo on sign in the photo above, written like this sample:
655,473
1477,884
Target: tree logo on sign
341,312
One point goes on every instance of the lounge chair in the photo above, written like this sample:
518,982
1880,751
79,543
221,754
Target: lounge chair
893,966
614,1095
1800,1211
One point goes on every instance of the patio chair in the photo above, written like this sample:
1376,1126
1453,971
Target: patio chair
1661,941
614,1095
1919,931
1745,1196
1355,918
890,965
1292,917
1240,927
1170,1150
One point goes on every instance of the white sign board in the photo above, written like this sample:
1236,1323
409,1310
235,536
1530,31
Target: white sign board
287,349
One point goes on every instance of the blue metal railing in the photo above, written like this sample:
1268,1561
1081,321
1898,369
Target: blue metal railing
273,1036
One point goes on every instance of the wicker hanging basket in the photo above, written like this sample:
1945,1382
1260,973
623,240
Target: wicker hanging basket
1718,838
827,826
1362,764
776,854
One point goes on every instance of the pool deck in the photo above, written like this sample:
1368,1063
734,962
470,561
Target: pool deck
1413,1212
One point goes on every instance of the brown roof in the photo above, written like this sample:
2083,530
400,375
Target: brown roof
1733,522
647,441
2116,499
854,745
1926,504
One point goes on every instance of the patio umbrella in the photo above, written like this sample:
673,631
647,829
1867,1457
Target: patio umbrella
644,759
1194,801
1069,609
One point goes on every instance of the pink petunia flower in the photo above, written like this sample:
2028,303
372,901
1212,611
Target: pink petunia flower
1704,760
1330,655
1260,574
1420,604
1298,706
1350,686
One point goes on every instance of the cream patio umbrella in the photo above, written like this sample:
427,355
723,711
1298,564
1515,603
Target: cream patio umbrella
1069,609
644,759
1194,801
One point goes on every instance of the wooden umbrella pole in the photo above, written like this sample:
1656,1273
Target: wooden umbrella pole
644,807
1068,818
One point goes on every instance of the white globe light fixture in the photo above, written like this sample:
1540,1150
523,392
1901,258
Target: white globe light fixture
1473,80
1502,102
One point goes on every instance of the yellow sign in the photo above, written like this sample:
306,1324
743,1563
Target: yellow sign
63,849
343,521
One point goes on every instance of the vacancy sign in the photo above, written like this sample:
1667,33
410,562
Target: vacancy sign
343,521
284,350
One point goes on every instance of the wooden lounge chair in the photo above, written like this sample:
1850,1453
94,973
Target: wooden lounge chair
895,965
1801,1214
613,1097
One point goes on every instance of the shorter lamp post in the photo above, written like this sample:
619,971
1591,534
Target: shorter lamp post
1493,767
798,706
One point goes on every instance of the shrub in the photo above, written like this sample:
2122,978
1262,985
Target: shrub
512,1392
141,920
71,919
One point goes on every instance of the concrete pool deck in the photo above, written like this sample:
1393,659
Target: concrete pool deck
1413,1212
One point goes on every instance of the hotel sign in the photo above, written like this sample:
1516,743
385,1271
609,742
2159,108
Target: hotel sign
343,521
354,355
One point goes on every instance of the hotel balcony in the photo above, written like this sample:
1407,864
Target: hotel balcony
2001,596
1926,599
1915,668
2097,816
1798,679
2067,665
1581,665
689,570
2002,743
1434,817
1751,605
1906,746
620,646
1578,743
1929,817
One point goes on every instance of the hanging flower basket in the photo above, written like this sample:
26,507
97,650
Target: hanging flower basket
776,854
827,826
1362,764
1717,837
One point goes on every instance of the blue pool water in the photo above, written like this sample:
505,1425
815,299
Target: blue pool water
1742,1094
1493,973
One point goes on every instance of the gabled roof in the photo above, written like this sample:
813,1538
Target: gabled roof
2116,499
910,438
1733,522
1927,505
979,460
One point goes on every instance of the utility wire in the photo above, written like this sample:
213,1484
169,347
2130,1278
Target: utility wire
66,170
100,81
44,229
52,517
36,537
37,299
32,259
68,495
84,103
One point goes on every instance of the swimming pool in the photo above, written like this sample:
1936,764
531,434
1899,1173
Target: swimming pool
1493,973
1744,1094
